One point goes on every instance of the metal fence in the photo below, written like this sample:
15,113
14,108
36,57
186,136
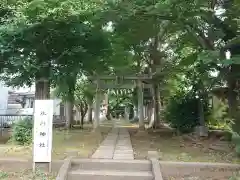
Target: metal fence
6,121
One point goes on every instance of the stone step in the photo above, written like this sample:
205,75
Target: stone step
111,164
109,175
126,157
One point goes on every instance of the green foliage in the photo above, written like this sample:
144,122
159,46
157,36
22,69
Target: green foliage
52,39
236,176
3,175
236,141
182,112
58,39
84,91
218,117
22,131
119,98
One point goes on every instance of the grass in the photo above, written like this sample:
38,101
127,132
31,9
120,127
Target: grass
176,148
236,176
77,142
26,175
3,175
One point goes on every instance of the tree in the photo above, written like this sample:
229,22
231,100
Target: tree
45,38
49,43
53,41
84,96
119,98
141,24
145,36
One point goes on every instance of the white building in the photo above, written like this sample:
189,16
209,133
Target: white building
20,101
3,99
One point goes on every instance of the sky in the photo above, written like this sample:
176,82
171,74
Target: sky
20,89
24,89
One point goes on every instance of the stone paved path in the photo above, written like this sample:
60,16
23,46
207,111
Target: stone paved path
117,145
123,148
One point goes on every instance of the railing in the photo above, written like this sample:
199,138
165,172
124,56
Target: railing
6,121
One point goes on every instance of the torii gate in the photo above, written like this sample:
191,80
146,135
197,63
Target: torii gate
100,82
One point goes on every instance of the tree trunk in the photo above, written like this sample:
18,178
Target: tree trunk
156,64
77,114
69,114
82,114
82,121
71,82
83,109
140,105
201,112
42,77
89,110
42,89
89,114
69,110
97,110
108,116
157,105
233,103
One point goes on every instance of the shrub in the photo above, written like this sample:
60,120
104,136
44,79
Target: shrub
182,112
218,118
235,176
22,131
236,141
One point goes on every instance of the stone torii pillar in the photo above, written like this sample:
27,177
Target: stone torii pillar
140,104
97,107
126,113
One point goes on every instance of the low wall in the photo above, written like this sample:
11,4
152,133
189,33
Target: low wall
169,170
18,165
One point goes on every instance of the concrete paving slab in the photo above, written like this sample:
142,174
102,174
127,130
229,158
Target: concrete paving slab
117,145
